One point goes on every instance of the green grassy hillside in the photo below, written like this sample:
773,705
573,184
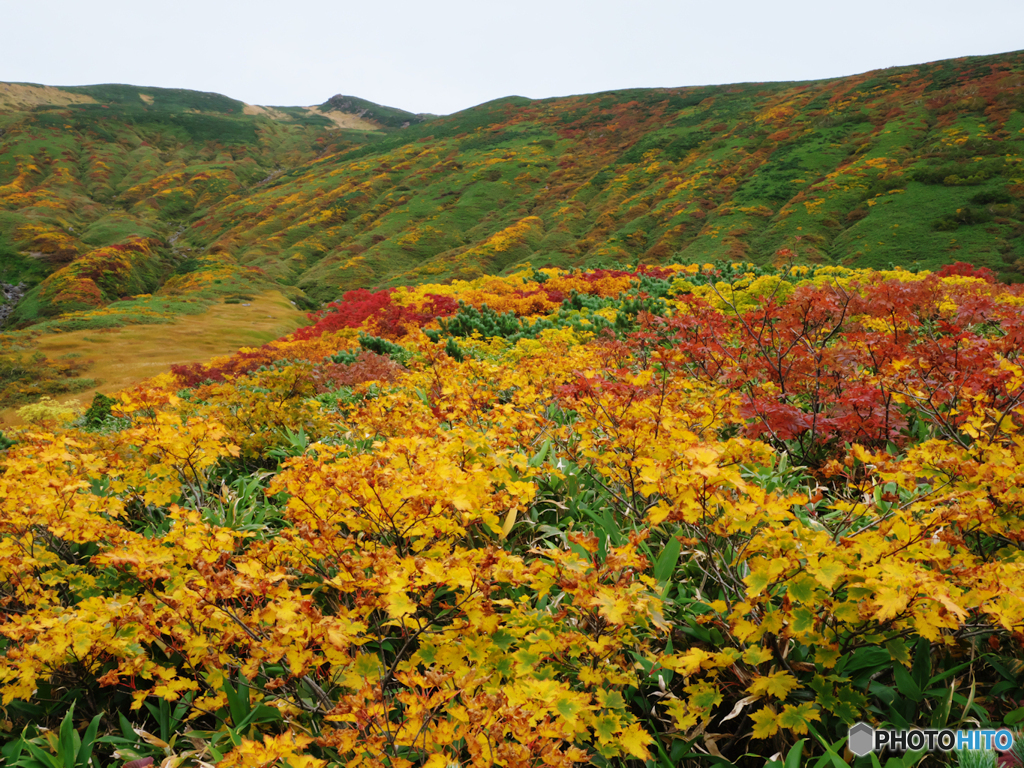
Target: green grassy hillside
906,166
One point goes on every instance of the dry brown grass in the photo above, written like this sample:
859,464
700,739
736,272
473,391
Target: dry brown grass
345,120
273,114
126,356
17,96
340,119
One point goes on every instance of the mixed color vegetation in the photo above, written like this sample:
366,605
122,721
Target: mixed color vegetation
652,427
905,166
665,515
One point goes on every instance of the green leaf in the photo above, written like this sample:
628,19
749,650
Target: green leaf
666,564
126,727
502,639
611,699
1014,717
794,755
850,704
428,651
538,458
48,760
11,751
605,727
803,620
831,755
897,649
922,668
85,750
68,741
801,587
526,658
238,699
826,692
866,657
905,683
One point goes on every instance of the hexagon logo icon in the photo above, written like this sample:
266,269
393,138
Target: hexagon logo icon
860,739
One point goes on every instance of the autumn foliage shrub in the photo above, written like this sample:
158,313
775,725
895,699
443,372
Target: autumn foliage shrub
364,366
375,310
724,528
964,269
239,364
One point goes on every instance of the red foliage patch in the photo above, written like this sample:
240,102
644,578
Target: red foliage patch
375,312
351,312
966,269
193,375
368,366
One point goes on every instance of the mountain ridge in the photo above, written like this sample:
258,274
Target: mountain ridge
917,166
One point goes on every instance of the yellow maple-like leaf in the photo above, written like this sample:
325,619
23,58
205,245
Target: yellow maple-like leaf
826,656
614,607
635,740
827,572
777,685
681,714
797,718
438,760
766,723
755,654
399,604
891,602
658,513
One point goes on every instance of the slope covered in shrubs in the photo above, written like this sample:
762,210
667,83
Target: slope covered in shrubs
906,166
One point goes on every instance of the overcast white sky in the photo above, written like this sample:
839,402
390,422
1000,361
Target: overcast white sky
441,56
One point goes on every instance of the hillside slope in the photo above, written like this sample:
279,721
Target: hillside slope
908,166
88,174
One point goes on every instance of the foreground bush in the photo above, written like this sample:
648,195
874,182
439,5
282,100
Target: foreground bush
701,516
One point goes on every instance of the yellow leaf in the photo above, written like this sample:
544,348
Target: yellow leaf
610,605
635,740
510,520
658,513
827,656
891,602
766,723
399,604
827,572
777,685
755,654
797,718
438,760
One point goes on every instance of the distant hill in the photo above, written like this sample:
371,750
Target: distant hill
912,166
387,117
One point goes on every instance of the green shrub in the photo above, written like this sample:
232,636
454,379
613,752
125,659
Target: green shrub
99,410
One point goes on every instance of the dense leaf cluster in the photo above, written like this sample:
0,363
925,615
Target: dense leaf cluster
762,509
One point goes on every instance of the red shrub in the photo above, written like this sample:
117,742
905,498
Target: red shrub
351,312
965,269
369,366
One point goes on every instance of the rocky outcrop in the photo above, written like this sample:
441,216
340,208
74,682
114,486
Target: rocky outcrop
12,294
